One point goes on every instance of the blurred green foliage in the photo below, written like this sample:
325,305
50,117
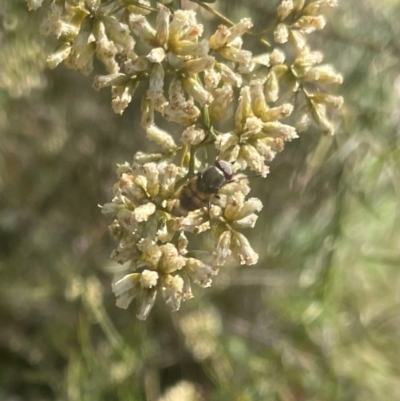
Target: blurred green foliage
316,319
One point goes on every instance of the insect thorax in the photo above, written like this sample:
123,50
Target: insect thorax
211,180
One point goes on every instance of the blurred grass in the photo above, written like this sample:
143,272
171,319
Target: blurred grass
316,319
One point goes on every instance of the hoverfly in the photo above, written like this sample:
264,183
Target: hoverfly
198,192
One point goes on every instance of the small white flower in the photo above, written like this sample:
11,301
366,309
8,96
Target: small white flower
309,24
239,29
126,289
172,287
200,272
281,33
308,58
170,260
219,108
156,55
211,78
147,300
247,222
220,37
253,159
277,57
151,252
285,9
242,249
148,279
223,248
143,212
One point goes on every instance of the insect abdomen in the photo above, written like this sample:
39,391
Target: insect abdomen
192,198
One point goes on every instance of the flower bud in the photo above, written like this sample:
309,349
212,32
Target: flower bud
161,137
285,9
156,81
223,248
239,29
152,173
242,249
118,32
211,79
194,49
219,38
122,96
298,40
281,33
277,113
308,59
271,89
243,110
258,103
228,76
162,24
327,99
200,64
219,108
142,29
277,129
318,111
233,54
185,114
103,81
324,74
310,24
196,90
192,136
61,54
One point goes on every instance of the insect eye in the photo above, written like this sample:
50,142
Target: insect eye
226,168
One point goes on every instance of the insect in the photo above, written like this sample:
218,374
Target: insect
198,191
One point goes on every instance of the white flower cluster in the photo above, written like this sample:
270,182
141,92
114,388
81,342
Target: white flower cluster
152,239
198,83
